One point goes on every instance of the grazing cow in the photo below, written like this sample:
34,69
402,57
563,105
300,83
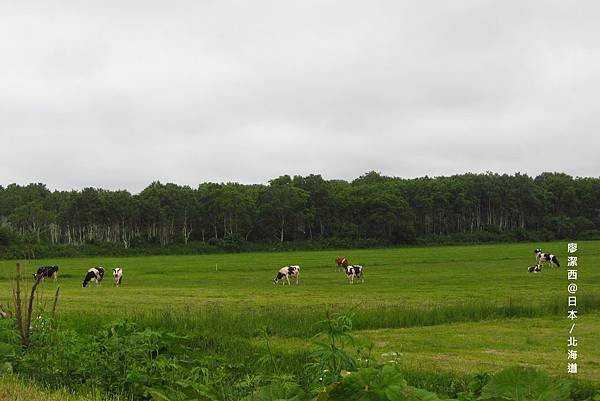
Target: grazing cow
117,275
534,269
285,273
46,271
341,262
545,258
94,274
354,271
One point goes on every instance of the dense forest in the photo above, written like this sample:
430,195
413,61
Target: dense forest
374,209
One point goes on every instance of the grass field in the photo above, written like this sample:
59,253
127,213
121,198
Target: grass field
12,389
462,309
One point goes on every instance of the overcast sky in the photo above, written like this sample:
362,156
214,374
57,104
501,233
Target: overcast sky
117,94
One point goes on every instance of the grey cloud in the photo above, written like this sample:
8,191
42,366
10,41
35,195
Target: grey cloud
118,94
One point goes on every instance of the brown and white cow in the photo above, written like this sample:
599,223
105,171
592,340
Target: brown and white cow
342,263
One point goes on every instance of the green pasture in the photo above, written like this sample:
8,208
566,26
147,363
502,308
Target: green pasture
484,346
459,308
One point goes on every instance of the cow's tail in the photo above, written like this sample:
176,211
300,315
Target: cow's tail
555,260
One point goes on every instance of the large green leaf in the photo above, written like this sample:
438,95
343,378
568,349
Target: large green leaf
409,393
278,392
525,384
368,384
7,350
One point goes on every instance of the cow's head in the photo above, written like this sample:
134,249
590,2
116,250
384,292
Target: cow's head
40,273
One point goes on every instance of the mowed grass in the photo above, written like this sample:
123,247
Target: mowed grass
443,303
485,346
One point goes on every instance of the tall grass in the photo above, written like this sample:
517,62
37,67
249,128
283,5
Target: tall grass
301,321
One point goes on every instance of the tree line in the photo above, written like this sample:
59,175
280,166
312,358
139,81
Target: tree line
389,210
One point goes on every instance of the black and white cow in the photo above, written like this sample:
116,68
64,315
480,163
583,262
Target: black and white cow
354,271
545,258
534,269
117,275
285,273
94,274
46,271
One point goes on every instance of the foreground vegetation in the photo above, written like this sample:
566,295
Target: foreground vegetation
441,320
